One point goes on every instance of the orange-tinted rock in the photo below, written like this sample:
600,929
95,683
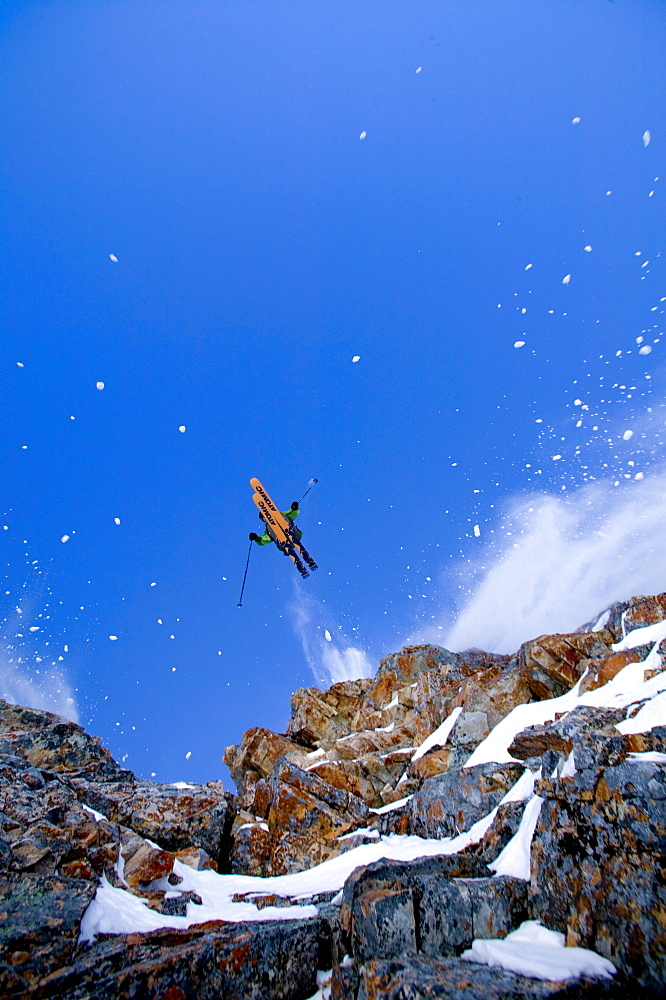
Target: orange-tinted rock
323,716
363,778
258,752
537,740
313,719
551,664
495,690
644,610
600,672
197,858
79,869
251,849
435,761
412,661
654,740
310,815
144,863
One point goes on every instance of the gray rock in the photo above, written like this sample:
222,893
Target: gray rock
597,865
450,803
216,961
392,909
175,818
51,743
471,727
589,732
445,917
384,924
41,917
421,978
452,912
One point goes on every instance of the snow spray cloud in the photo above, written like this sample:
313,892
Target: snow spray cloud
330,659
49,691
29,673
561,561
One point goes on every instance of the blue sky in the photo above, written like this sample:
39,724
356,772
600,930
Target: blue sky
214,149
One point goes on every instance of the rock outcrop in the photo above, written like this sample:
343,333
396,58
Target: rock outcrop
381,761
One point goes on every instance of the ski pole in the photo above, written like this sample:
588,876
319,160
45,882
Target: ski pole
249,553
310,485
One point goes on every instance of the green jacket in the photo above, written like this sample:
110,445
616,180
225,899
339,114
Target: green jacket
290,515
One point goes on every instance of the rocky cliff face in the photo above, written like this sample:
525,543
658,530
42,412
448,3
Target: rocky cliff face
546,766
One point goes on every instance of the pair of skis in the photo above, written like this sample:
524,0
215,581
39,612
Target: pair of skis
281,530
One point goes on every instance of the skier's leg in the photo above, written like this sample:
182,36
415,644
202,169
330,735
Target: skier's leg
307,557
297,562
298,545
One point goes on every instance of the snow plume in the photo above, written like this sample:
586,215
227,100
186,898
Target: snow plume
49,691
329,654
560,562
29,674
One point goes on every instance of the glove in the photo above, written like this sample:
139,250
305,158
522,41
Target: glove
253,536
294,505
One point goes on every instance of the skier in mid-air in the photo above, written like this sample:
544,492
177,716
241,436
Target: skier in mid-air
290,515
279,527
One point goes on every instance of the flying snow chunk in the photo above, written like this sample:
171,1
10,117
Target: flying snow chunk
519,343
99,385
116,520
477,531
113,638
646,349
627,436
529,266
20,364
556,458
182,428
575,121
588,248
419,68
363,135
646,137
566,279
65,538
357,357
328,635
113,257
188,755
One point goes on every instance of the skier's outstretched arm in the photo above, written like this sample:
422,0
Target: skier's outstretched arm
264,539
